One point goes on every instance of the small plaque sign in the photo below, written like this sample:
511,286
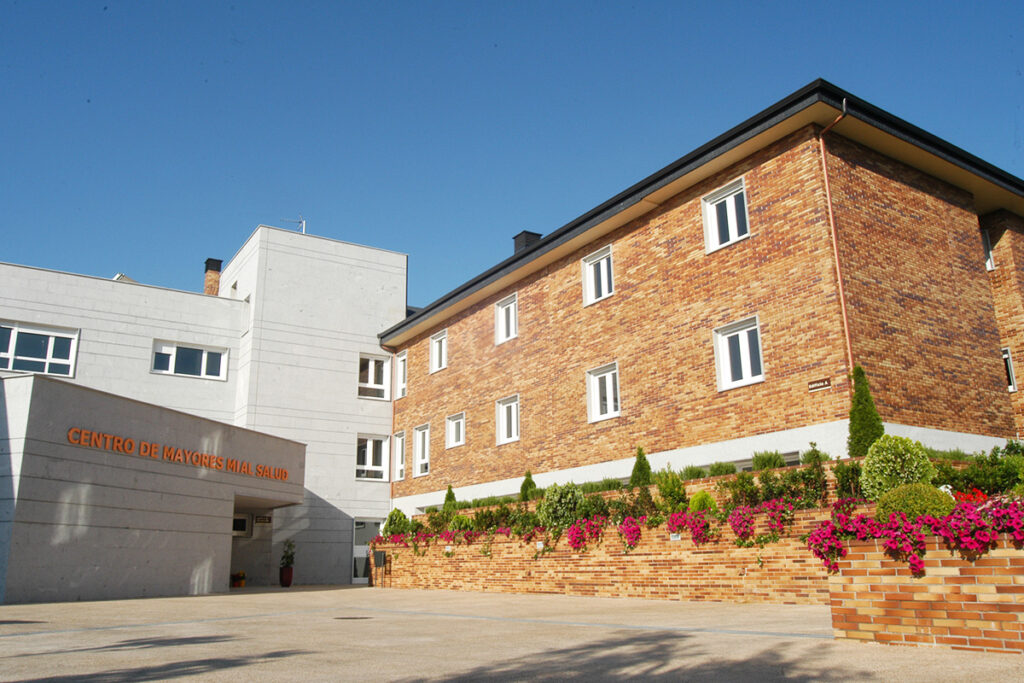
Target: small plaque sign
819,384
540,545
675,537
263,519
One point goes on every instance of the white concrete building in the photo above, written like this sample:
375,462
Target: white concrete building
287,347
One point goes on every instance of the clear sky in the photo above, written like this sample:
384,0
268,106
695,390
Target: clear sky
144,137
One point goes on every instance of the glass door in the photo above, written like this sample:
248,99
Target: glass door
364,531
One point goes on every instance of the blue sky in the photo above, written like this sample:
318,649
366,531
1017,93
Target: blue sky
144,137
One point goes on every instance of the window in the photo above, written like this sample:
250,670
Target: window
507,419
401,374
597,276
986,240
506,324
1011,380
738,354
174,359
372,372
725,216
455,430
370,457
421,450
27,348
398,445
439,351
603,392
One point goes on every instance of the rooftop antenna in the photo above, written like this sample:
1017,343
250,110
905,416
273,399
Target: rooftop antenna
301,222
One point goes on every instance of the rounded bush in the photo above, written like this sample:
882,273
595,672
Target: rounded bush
914,500
767,460
397,523
694,472
893,461
717,469
561,505
703,502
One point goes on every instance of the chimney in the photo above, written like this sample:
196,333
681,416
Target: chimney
211,284
525,239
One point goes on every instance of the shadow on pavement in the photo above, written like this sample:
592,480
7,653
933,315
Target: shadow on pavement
137,644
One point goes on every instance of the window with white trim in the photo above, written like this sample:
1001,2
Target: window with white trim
170,358
421,450
597,276
28,348
603,392
986,240
439,351
738,354
371,458
1011,379
506,419
455,430
398,448
401,374
725,216
506,319
373,375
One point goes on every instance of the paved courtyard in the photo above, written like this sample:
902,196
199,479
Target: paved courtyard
335,634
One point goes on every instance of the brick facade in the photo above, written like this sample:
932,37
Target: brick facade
1006,235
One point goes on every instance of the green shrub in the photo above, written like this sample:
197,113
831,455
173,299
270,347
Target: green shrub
594,504
637,503
865,424
813,455
847,480
461,523
397,523
537,493
742,490
527,487
416,526
672,489
641,475
808,486
1017,491
992,473
560,506
501,516
449,501
524,521
437,520
703,502
772,485
893,461
767,460
717,469
693,472
603,485
954,454
914,500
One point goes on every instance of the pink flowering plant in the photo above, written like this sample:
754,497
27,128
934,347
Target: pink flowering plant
630,530
696,524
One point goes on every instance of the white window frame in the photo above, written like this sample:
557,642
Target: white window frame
455,430
9,356
439,351
506,319
735,216
986,240
1011,377
606,379
421,450
724,350
170,349
599,263
364,389
398,452
368,465
506,420
401,374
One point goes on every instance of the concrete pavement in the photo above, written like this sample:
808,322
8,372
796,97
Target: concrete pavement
340,634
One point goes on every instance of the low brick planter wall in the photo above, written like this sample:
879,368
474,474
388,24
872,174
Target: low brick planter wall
657,568
973,605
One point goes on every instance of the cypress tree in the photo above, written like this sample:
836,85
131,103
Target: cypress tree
641,475
527,487
449,498
865,424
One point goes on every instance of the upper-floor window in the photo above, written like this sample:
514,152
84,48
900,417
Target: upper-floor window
421,450
27,348
507,419
398,446
455,430
194,361
506,323
370,457
373,372
738,354
603,392
1011,379
597,276
986,240
725,216
439,351
401,374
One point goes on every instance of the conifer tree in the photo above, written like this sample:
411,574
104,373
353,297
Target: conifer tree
641,475
527,487
865,423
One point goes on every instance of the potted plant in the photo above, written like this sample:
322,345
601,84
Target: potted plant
238,580
287,564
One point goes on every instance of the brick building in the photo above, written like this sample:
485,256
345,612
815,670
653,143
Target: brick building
716,308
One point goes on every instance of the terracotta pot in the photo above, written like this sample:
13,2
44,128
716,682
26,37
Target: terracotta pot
286,576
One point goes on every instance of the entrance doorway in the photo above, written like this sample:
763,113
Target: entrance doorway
364,531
